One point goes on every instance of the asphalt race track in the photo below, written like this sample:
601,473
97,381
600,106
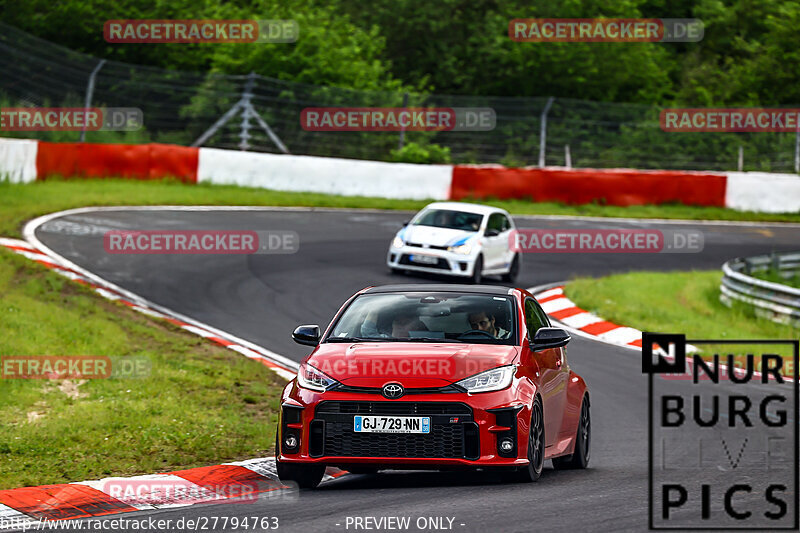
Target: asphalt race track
263,297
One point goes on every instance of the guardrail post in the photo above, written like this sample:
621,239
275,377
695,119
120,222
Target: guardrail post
740,166
567,157
402,140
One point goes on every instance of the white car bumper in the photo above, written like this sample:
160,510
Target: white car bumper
435,261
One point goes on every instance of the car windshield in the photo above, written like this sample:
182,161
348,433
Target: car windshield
428,317
446,218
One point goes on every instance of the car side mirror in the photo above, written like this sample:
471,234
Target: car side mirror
406,223
492,233
547,338
308,335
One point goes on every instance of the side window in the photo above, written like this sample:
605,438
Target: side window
542,315
534,317
505,225
495,222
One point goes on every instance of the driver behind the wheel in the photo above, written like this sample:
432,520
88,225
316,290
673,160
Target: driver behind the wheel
403,322
483,321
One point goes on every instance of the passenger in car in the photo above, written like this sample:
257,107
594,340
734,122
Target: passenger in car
402,323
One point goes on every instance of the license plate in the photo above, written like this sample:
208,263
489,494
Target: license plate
424,259
392,424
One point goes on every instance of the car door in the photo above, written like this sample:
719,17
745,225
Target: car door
493,243
553,374
507,252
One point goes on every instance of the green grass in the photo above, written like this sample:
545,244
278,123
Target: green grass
675,302
19,203
776,277
201,404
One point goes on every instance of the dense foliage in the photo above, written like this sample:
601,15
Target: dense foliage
372,52
750,54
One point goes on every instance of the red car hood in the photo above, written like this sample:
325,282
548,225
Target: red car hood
413,364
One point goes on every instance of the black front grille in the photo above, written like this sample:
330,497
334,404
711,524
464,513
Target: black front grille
440,263
443,441
395,408
453,432
431,246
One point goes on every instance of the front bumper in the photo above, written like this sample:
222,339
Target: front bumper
448,263
466,430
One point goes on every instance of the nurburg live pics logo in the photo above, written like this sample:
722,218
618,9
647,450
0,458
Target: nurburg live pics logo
723,433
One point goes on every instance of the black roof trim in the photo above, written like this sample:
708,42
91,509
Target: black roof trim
441,287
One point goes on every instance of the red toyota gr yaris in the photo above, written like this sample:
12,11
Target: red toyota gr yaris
434,376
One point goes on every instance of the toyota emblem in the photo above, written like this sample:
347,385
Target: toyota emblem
392,390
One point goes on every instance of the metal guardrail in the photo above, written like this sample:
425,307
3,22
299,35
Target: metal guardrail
777,302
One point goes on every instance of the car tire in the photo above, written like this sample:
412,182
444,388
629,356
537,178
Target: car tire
533,470
306,476
580,457
477,273
395,271
513,270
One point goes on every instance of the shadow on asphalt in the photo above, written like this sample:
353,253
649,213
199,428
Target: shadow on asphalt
404,479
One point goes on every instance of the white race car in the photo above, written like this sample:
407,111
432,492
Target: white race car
457,239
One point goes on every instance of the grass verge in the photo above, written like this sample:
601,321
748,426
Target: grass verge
19,203
201,404
676,302
776,277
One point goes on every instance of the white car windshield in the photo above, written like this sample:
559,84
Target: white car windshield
447,218
428,317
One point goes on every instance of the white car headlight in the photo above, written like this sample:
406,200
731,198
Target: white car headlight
311,378
397,242
463,249
490,380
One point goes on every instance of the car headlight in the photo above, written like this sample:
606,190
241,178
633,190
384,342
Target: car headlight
397,242
463,249
311,378
490,380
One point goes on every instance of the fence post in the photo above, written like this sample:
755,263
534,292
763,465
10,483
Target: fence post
543,130
741,158
403,128
89,92
567,157
797,150
247,96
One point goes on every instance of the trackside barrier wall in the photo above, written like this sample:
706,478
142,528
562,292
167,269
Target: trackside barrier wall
764,192
25,160
18,160
301,173
136,161
622,187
